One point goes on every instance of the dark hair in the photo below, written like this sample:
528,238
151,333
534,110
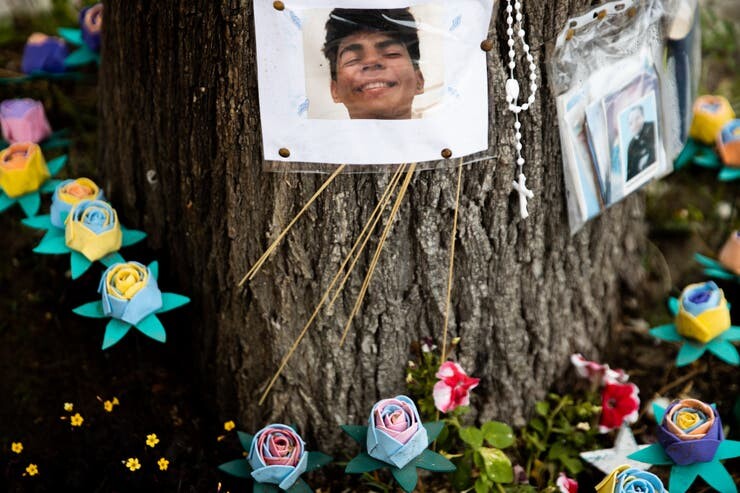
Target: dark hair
399,24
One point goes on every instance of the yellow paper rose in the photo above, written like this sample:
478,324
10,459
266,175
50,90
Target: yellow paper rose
125,280
711,113
79,189
92,229
22,169
703,312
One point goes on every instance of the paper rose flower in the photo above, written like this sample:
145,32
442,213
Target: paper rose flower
130,297
691,442
597,373
565,484
91,23
702,323
619,404
44,54
276,459
396,438
91,232
23,120
453,388
68,194
24,176
626,479
729,256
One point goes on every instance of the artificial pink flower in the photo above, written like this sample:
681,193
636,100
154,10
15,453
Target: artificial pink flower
453,388
566,485
619,404
597,373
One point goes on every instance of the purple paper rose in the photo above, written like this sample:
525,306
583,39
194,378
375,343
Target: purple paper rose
44,54
691,432
91,23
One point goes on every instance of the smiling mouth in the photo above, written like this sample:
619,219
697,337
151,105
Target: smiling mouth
376,85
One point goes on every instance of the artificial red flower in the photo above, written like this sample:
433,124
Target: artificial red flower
597,373
453,388
619,404
566,485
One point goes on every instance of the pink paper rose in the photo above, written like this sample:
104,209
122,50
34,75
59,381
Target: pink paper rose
23,120
453,388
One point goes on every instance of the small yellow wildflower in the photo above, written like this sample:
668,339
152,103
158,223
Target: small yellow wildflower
108,406
115,401
229,425
68,406
76,420
163,464
16,447
133,464
152,440
32,469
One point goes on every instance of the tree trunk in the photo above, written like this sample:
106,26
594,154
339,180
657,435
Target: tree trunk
180,148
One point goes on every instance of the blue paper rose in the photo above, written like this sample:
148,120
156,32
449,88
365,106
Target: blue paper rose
395,434
130,292
67,194
277,456
626,479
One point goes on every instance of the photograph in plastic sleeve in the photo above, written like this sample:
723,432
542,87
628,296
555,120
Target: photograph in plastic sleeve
365,82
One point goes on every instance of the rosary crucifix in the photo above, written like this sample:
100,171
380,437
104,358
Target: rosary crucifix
524,194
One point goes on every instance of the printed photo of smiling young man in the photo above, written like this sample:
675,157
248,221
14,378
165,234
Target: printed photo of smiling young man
374,57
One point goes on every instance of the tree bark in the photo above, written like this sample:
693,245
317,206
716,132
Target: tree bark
181,153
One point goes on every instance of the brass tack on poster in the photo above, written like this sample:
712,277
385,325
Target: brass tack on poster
278,5
571,33
284,152
446,153
486,45
601,15
632,11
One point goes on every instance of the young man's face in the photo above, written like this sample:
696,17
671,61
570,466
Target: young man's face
636,121
376,78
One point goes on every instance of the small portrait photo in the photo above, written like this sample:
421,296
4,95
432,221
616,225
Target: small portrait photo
639,136
373,64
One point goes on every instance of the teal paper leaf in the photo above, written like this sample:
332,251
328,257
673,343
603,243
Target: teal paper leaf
667,333
719,274
300,486
38,222
406,477
152,327
56,164
728,449
658,412
724,350
30,203
52,244
131,236
731,334
673,306
80,57
78,264
49,186
245,439
71,35
154,268
317,460
433,428
363,463
112,258
5,201
432,461
689,353
717,477
170,301
94,309
729,174
114,332
55,142
706,261
707,160
357,433
654,454
264,488
239,468
682,477
687,155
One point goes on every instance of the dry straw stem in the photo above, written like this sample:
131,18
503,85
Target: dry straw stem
256,267
453,237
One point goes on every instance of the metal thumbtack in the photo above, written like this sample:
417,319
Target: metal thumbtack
446,153
632,11
486,45
278,5
601,15
284,152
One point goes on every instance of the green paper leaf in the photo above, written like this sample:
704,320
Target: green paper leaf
728,449
30,203
707,160
689,353
495,464
131,237
152,327
5,201
112,258
80,57
472,436
245,439
497,434
732,334
56,164
717,477
406,477
673,306
52,244
682,477
317,460
300,486
686,156
154,268
38,222
78,264
94,309
729,174
658,412
357,433
724,350
71,35
434,428
363,463
654,454
239,468
55,143
719,274
667,333
170,301
49,186
706,261
114,332
264,488
432,461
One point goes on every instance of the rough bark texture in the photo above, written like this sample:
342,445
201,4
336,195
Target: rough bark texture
182,156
